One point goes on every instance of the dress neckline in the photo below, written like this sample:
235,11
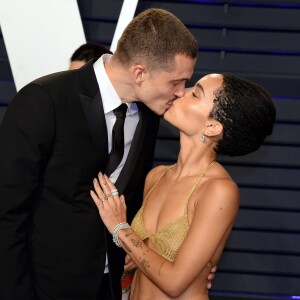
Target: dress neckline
185,215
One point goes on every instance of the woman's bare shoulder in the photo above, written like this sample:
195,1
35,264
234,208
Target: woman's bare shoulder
223,190
157,172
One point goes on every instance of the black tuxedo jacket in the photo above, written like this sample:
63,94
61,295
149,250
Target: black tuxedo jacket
53,142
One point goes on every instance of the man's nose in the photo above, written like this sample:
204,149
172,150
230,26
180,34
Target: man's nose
180,92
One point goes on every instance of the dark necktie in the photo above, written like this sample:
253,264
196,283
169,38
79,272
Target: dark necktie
117,150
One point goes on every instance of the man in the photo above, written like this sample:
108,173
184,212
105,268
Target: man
54,139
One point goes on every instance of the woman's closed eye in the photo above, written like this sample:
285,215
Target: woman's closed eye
194,95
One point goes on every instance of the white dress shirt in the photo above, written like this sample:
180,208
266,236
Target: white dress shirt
111,100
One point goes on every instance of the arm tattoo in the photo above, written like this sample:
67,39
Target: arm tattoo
145,264
136,243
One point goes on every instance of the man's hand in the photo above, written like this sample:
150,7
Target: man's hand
211,276
129,264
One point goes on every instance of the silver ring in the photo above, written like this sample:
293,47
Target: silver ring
114,192
103,198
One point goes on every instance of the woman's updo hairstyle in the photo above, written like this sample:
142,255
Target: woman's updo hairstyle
247,113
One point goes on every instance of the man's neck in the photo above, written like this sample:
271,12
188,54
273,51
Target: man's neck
121,80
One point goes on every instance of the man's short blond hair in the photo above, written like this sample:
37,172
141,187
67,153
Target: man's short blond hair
153,38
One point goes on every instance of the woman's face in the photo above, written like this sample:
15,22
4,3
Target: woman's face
190,113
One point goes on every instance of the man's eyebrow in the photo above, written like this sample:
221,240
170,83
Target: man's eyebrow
200,87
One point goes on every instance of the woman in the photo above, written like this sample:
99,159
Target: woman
189,208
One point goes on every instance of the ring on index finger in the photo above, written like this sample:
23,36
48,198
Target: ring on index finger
114,192
103,198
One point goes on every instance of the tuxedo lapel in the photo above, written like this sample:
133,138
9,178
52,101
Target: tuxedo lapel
94,113
135,149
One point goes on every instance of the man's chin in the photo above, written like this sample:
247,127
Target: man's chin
168,108
165,115
160,112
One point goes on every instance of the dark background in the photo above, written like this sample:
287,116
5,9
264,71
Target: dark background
258,40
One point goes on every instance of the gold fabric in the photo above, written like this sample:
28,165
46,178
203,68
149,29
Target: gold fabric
168,240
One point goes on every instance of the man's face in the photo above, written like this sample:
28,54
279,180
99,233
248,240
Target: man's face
160,88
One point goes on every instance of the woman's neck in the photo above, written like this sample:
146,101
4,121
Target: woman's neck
193,157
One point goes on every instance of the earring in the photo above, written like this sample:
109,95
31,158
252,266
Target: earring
203,137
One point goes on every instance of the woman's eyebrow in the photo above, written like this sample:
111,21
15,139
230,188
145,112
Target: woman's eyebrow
200,87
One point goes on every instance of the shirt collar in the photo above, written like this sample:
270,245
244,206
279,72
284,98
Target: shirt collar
110,98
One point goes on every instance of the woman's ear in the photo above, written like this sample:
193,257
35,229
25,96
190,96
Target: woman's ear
213,128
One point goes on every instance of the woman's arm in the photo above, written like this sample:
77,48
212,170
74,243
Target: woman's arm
213,217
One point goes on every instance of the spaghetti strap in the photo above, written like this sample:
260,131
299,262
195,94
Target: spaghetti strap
195,185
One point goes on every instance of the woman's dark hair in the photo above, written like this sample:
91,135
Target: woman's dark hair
89,51
247,113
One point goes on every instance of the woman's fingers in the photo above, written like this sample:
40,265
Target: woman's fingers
106,187
98,189
108,195
111,188
95,197
111,208
122,199
96,200
104,183
99,196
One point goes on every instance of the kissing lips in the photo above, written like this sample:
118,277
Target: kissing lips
170,103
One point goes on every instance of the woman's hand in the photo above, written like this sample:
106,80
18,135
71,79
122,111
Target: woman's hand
112,208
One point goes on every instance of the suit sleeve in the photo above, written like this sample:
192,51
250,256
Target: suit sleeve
26,139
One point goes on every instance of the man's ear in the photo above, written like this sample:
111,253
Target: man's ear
213,128
138,73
